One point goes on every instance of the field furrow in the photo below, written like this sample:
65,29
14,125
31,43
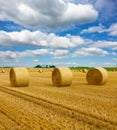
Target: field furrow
42,106
37,115
66,111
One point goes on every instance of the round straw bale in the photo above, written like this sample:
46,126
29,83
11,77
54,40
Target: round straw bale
84,70
3,71
97,76
62,77
40,71
19,77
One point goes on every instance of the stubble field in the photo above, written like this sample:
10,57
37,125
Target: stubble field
42,106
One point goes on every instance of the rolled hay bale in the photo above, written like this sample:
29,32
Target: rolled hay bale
19,77
3,71
84,70
40,71
97,76
62,77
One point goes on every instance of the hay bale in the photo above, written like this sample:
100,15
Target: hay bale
97,76
19,77
40,71
62,77
84,70
3,71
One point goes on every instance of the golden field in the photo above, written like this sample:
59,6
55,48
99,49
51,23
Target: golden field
42,106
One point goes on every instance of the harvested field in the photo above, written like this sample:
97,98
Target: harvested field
42,106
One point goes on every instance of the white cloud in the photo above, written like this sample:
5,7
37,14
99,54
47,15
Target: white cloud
86,15
58,41
106,8
90,52
46,13
36,61
39,39
66,64
22,38
99,29
10,56
76,41
112,45
37,52
16,56
7,56
114,53
113,29
60,54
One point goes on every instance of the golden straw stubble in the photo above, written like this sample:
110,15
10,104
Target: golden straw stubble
19,77
97,76
62,77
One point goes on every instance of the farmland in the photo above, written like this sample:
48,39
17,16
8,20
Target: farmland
42,106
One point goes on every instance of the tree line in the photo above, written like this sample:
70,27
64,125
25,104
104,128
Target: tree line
45,66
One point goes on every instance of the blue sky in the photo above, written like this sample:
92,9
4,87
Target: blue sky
60,32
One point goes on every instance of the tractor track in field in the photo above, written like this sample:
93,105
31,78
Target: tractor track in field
66,111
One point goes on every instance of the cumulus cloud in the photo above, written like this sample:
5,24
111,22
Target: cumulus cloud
7,56
113,29
50,44
10,56
57,54
37,52
98,29
60,54
46,13
16,56
112,45
39,39
90,52
24,37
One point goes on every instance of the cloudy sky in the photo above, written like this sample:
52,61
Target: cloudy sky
59,32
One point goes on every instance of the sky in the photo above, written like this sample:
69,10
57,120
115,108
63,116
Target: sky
63,33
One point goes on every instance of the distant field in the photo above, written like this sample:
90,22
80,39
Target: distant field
107,68
42,106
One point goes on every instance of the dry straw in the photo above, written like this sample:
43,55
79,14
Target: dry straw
3,71
80,70
40,71
97,76
19,77
62,77
84,70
